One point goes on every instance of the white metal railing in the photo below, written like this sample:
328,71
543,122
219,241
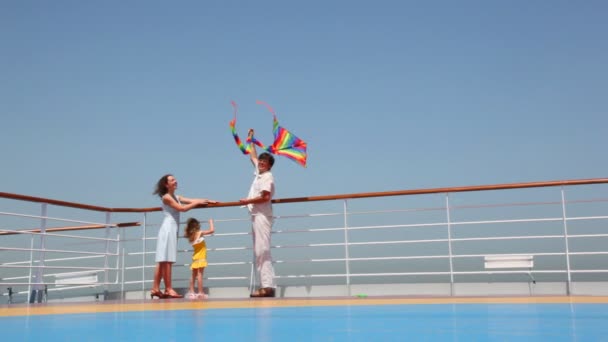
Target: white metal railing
32,276
439,238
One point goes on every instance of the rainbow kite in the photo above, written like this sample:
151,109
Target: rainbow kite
285,143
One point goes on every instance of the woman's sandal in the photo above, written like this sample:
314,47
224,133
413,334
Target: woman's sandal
173,295
263,292
158,294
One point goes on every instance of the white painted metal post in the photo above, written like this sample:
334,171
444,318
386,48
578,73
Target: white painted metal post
29,286
143,260
252,274
565,220
346,242
120,260
122,275
36,294
106,261
447,208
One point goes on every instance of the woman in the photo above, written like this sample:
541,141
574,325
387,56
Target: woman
166,244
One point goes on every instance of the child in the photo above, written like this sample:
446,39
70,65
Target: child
199,257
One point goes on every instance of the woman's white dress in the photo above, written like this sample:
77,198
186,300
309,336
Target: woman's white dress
166,244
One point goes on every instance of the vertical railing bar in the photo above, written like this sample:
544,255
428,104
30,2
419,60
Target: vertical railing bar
143,260
122,275
106,261
252,274
346,249
36,294
29,286
451,259
119,244
119,257
565,220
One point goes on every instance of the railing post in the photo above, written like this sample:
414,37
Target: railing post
106,264
346,253
252,274
36,292
122,274
143,259
120,263
565,220
447,209
31,276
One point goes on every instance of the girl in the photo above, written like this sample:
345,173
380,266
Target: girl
199,257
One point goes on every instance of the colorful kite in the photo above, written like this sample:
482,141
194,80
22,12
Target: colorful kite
285,143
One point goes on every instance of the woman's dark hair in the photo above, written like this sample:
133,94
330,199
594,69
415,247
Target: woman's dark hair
192,226
161,186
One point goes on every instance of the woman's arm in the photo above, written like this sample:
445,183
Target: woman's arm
202,201
170,201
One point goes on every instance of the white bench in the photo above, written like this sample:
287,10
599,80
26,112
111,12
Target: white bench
510,261
76,278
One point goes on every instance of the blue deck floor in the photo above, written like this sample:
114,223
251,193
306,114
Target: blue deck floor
411,322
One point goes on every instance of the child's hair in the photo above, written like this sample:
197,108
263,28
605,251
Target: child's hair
192,226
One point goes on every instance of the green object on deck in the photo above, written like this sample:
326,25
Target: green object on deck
361,296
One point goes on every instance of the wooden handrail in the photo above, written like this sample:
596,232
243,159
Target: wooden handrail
52,201
446,190
69,228
323,198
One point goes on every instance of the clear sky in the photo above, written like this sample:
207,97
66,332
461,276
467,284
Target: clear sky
98,99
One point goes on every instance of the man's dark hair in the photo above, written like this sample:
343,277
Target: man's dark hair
268,157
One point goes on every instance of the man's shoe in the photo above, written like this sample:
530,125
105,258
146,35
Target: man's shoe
263,292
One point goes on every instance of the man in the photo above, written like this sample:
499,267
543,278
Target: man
260,207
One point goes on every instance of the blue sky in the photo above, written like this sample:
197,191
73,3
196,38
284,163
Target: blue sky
99,99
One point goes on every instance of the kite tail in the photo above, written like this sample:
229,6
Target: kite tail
267,107
246,149
275,125
260,144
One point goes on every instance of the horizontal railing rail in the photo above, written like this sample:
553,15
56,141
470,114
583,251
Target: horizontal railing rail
470,188
447,239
